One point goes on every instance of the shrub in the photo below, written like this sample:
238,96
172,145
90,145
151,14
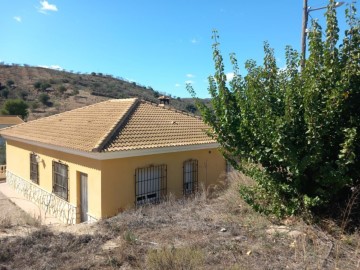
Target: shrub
10,82
15,107
37,85
297,134
5,93
44,98
175,258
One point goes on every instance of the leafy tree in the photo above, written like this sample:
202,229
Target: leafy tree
44,98
5,93
23,94
297,134
15,107
191,108
10,82
37,85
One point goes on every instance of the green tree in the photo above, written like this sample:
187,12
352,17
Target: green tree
37,85
5,93
44,98
191,108
10,83
15,107
297,134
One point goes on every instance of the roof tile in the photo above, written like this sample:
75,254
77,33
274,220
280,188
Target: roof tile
115,125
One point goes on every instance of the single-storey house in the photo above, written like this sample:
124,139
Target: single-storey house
94,162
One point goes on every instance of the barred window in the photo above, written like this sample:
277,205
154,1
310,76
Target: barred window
60,180
190,176
150,184
34,168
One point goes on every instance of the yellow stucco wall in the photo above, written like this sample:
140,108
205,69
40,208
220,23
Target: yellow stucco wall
18,162
111,183
118,175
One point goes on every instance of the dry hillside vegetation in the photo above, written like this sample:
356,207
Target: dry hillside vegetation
69,90
204,232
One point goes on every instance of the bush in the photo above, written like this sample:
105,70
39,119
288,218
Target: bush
15,107
44,98
35,105
175,258
296,133
10,82
62,89
37,85
23,94
5,93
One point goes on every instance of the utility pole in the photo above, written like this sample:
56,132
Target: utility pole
305,19
306,11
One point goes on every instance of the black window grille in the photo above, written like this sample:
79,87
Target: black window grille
150,184
190,176
34,168
60,180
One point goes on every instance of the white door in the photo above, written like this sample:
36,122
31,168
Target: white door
84,196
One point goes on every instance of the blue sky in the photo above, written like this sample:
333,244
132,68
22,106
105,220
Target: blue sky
162,44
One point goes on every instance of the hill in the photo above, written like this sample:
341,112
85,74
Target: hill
49,91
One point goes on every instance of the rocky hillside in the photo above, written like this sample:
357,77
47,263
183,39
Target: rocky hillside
49,91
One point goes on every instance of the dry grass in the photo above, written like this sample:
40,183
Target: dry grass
12,216
209,231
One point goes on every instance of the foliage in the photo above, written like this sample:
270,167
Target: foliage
62,89
5,93
44,98
23,94
295,133
37,85
191,108
15,107
10,82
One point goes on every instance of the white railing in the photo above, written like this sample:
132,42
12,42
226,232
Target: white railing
49,202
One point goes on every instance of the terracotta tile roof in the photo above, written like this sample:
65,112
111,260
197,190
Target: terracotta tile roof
10,120
82,129
151,126
115,125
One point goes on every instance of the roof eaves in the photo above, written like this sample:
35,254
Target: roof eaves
105,139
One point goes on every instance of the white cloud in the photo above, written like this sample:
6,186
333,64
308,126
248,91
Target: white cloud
57,67
189,75
194,41
177,84
190,81
230,76
17,18
45,6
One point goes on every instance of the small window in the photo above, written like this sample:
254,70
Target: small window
60,180
150,184
190,176
34,168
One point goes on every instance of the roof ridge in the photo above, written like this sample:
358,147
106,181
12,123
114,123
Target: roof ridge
104,140
171,109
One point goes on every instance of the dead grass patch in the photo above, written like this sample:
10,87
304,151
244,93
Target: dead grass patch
211,230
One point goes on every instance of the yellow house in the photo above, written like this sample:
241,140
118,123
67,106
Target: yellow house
96,161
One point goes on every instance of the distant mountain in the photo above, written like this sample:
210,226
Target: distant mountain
49,91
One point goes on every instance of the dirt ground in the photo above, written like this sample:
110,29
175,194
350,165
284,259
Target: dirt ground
205,232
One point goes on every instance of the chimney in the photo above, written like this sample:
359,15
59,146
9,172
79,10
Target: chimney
164,100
